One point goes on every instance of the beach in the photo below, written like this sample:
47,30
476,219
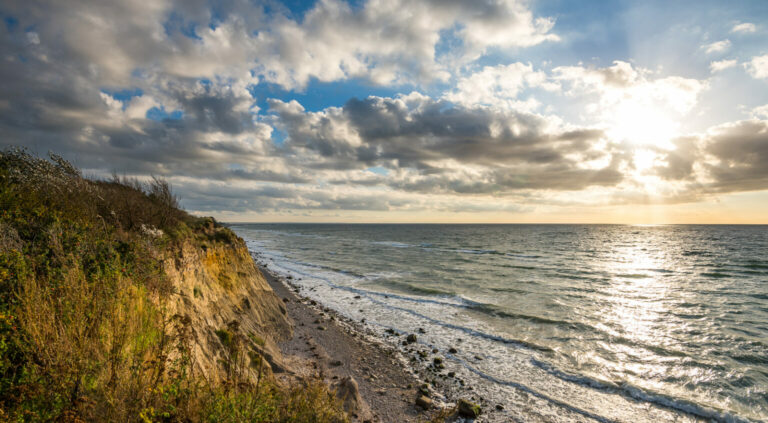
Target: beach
333,348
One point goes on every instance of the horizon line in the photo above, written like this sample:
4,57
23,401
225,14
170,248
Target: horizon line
489,223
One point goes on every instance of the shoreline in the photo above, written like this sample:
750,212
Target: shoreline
527,387
333,348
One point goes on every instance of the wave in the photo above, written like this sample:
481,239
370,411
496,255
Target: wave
283,233
755,266
531,391
493,310
472,251
451,299
512,266
418,289
394,244
525,256
628,390
633,275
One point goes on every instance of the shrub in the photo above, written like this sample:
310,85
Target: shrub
84,331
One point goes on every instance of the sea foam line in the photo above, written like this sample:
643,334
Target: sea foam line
627,390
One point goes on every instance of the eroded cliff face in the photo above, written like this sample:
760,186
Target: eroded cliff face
223,299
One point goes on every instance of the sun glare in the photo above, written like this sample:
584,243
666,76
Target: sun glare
642,124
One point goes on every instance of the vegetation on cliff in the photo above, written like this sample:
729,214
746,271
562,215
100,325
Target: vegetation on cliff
85,330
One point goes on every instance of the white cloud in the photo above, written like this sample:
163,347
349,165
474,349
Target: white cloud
744,28
622,82
391,41
760,111
500,86
758,67
721,65
717,46
631,104
33,38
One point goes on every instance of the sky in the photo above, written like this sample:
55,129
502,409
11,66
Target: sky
497,111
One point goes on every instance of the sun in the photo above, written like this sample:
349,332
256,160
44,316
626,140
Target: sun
641,123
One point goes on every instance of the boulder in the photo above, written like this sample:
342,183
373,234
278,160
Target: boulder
424,402
348,393
468,409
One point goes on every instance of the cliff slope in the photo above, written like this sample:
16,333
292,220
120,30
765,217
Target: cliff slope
220,293
116,305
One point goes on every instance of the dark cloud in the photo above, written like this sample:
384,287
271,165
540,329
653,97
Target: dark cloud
740,151
217,197
680,160
512,150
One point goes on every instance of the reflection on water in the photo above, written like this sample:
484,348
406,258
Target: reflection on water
574,322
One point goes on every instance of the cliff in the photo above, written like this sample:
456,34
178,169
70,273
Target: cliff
116,305
218,290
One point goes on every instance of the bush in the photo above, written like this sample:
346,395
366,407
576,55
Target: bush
84,332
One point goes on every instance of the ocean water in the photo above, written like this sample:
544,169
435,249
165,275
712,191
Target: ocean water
557,323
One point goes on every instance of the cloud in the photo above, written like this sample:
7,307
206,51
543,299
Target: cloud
631,103
169,88
500,86
758,67
391,41
737,153
384,42
438,145
721,65
678,163
760,111
744,28
717,46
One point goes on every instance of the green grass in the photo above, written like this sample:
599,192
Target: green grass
85,334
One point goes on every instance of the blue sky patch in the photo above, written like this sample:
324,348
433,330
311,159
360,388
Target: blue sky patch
378,170
159,114
319,95
11,23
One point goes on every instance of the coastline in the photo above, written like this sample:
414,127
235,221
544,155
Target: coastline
331,347
358,273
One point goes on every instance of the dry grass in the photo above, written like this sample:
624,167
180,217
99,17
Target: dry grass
84,331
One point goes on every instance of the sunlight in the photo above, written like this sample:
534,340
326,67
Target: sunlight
641,123
644,159
637,292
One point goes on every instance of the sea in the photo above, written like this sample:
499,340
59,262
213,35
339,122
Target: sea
555,323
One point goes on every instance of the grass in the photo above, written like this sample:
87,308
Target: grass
85,334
